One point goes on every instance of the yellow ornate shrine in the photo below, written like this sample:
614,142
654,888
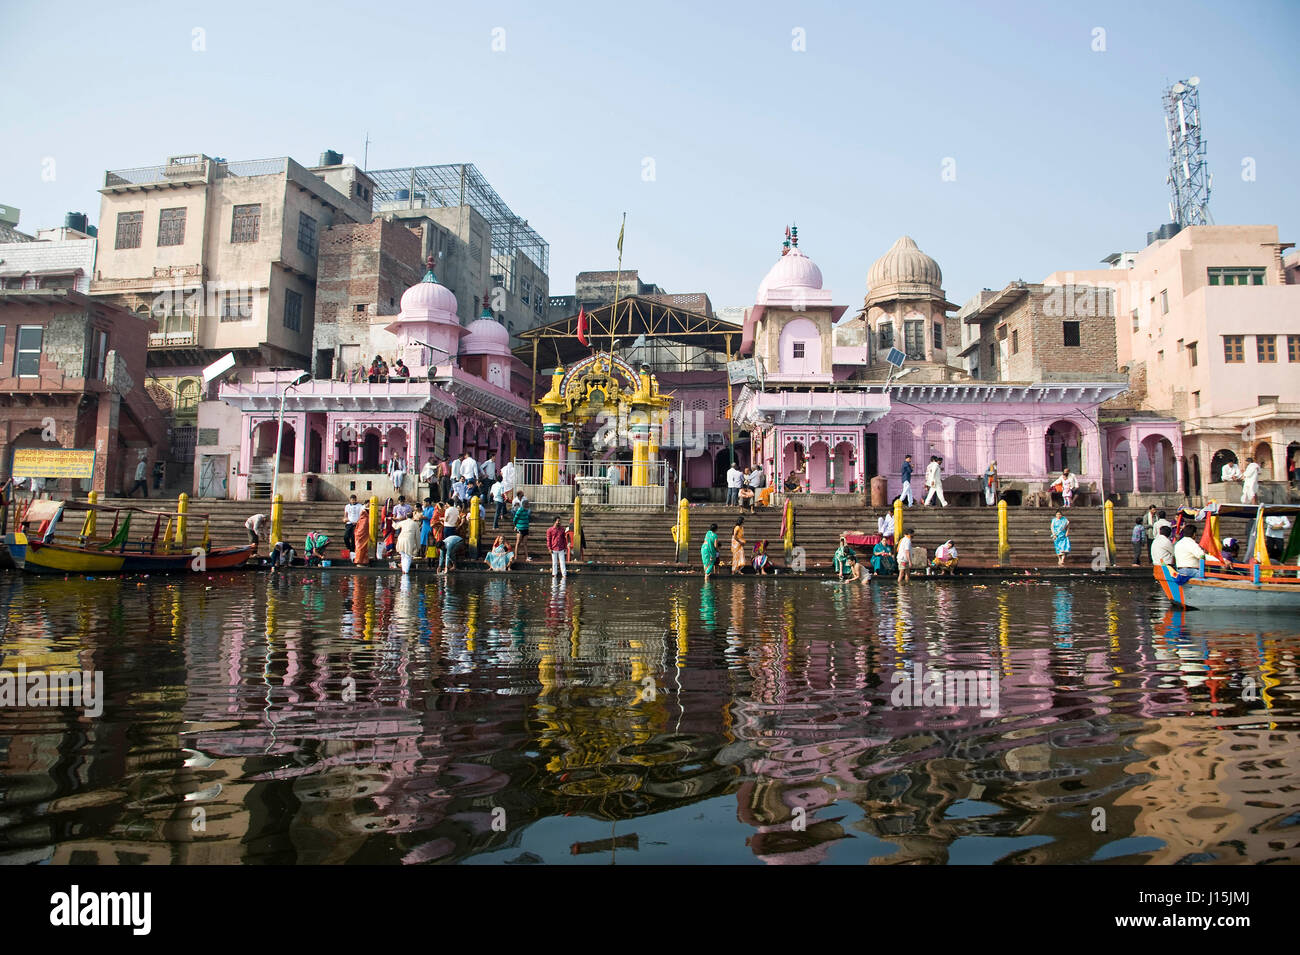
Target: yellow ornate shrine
602,385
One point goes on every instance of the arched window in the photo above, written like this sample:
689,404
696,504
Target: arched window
965,451
1011,448
901,442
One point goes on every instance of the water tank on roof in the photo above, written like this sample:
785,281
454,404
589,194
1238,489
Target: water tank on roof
92,231
75,220
403,194
330,158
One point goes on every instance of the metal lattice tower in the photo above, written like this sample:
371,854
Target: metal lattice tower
1189,179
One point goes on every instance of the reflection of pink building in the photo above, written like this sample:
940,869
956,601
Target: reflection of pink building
465,393
831,414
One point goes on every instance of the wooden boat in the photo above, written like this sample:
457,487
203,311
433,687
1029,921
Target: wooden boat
40,552
1261,583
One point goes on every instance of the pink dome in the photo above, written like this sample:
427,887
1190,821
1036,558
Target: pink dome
792,270
486,336
427,301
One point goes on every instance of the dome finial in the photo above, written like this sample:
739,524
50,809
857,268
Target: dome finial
785,246
487,305
428,275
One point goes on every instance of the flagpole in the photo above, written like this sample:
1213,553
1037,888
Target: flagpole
618,278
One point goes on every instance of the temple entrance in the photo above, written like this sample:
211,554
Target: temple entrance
1217,463
1064,447
370,452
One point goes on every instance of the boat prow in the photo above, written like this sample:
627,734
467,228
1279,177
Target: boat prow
1228,591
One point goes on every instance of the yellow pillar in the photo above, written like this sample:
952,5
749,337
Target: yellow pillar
898,519
374,525
88,530
639,425
577,526
277,506
682,532
1109,517
789,528
1004,539
475,522
182,508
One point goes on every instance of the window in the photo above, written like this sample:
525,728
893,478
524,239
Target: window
525,291
993,359
798,349
1236,276
1136,321
306,234
236,305
1292,346
292,310
1191,355
1196,400
1071,333
1160,357
1234,348
171,227
246,223
914,340
1267,399
1164,301
27,351
2,342
1266,347
886,336
129,227
938,336
98,355
1015,342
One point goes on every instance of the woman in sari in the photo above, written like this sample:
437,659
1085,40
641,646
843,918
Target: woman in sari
1061,537
738,546
882,557
709,551
842,559
498,558
408,541
426,518
361,539
760,557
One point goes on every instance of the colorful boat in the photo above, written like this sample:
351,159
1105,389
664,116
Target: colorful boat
40,552
1261,583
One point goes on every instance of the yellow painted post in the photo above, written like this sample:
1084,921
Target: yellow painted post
1004,539
789,528
182,508
682,532
898,519
1109,518
374,523
277,507
475,521
89,529
577,526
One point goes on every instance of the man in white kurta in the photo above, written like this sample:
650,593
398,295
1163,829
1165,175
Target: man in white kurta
1250,483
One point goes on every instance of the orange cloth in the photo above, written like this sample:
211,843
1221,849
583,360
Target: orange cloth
361,537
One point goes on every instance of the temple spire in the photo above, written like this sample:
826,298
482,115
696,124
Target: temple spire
487,305
428,275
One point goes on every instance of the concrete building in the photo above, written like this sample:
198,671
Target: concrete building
488,247
52,259
828,417
72,372
1208,326
223,255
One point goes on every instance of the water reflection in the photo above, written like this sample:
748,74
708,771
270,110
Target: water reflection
333,718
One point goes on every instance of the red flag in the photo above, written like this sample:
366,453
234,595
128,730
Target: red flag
582,326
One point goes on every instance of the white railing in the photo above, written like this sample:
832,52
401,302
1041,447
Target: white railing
596,482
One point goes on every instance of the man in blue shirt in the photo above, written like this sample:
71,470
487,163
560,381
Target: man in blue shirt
906,494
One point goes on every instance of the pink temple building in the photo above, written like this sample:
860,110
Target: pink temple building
465,392
827,412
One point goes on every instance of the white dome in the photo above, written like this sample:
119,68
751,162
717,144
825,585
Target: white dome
792,270
427,301
486,336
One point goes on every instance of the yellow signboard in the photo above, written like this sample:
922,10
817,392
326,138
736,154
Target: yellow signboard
53,463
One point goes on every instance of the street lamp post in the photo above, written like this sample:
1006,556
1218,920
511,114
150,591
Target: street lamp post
279,432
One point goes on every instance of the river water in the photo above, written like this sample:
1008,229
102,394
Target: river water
331,717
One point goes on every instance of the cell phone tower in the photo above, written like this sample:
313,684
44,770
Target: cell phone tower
1189,178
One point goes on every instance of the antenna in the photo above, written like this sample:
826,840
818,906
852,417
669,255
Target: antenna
1189,179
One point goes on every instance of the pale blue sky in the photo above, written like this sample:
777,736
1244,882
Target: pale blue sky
1059,150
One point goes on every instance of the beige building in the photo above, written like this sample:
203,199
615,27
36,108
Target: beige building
1208,326
223,255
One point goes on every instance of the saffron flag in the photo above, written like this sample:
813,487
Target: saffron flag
620,240
582,326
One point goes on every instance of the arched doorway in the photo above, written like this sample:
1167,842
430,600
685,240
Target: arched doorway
1293,463
1195,484
370,442
1121,466
845,465
1011,448
1063,442
1264,458
314,449
794,462
1221,458
819,468
1156,465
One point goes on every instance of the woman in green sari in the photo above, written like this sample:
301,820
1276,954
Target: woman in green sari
709,551
842,562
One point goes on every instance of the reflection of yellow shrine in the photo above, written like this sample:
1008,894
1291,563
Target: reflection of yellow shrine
603,384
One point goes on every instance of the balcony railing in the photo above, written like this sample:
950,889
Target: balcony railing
186,336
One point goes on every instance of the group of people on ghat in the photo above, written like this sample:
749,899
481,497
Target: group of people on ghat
379,371
748,488
742,560
1177,543
1249,478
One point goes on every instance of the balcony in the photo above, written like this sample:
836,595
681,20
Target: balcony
180,333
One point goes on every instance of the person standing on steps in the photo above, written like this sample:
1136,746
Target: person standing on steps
1061,537
709,551
351,514
1250,483
254,526
557,543
934,480
444,481
905,557
140,483
523,517
991,484
906,493
1139,540
734,480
